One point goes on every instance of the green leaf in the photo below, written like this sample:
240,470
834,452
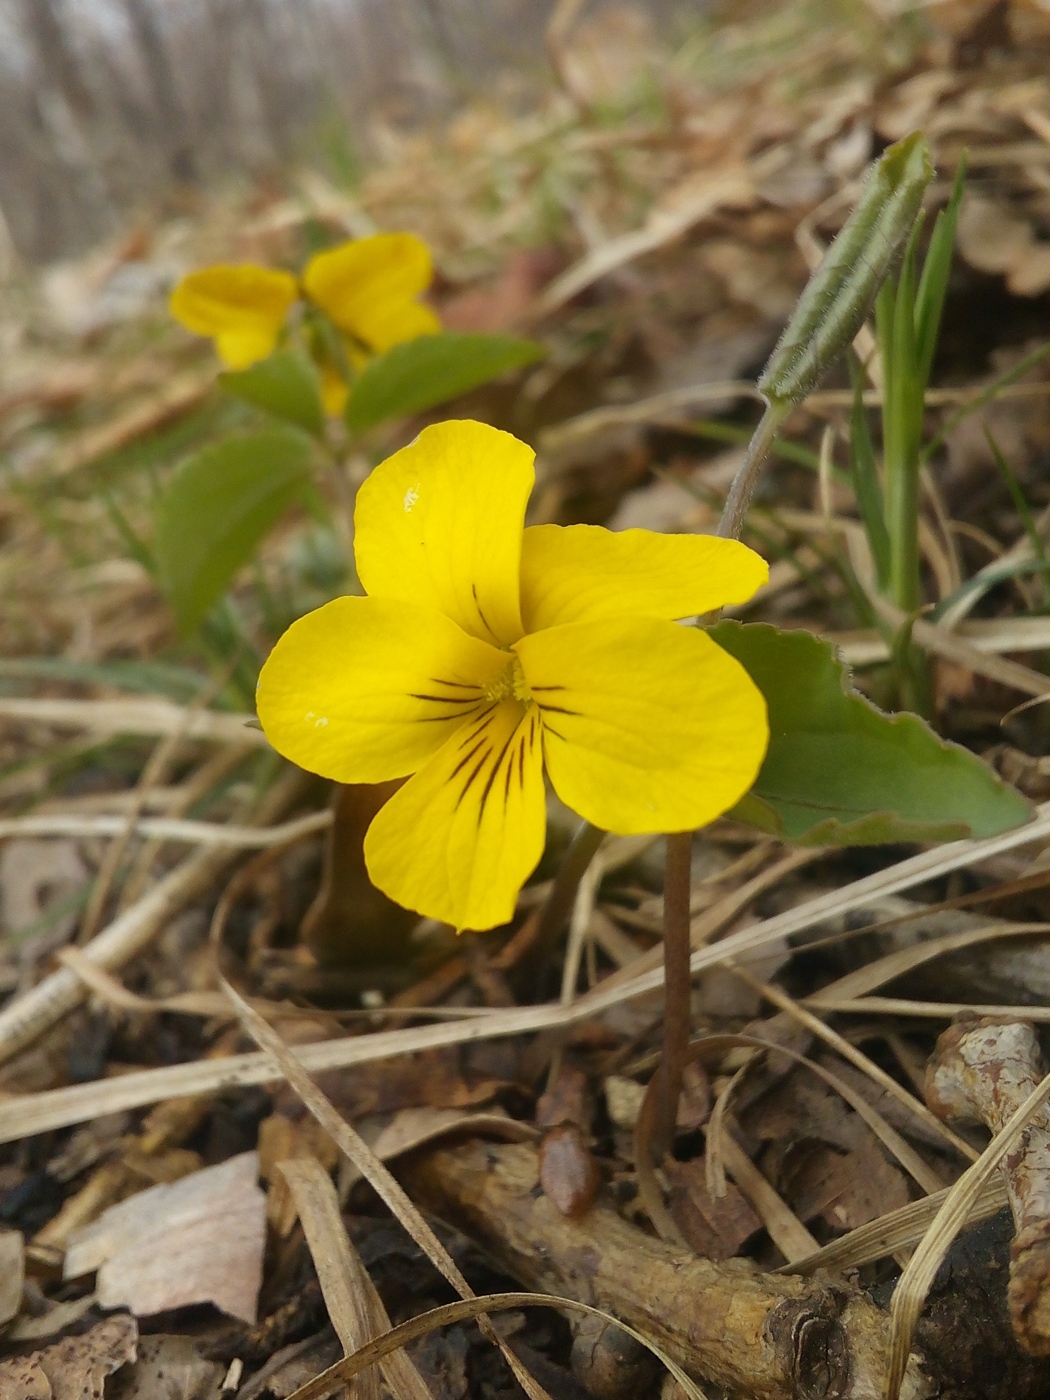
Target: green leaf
430,370
840,772
285,384
837,297
217,508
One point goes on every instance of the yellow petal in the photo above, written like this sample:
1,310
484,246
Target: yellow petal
366,689
459,840
334,391
648,726
243,307
578,573
440,522
369,286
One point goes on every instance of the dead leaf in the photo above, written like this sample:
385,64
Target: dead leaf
413,1128
992,238
910,104
198,1240
431,1078
623,1100
293,1366
502,304
34,875
845,1190
283,1140
566,1101
715,1226
74,1368
568,1171
168,1368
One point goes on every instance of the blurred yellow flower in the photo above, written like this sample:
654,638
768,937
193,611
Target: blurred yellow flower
242,307
486,653
369,288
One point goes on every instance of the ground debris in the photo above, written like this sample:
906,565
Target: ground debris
74,1368
197,1240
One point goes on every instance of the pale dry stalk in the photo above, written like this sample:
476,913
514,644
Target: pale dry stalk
982,1071
29,1016
769,1337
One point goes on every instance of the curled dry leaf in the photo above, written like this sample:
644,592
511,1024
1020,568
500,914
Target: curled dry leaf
199,1240
568,1171
715,1227
566,1101
994,239
74,1368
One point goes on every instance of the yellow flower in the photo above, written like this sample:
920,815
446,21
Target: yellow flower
334,390
369,289
242,307
485,653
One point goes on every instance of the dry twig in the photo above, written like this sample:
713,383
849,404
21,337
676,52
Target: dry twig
982,1070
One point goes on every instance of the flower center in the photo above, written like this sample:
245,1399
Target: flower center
510,684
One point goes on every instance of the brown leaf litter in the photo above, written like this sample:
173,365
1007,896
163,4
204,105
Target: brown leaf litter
655,246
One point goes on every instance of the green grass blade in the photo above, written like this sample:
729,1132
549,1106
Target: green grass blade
1001,381
1018,497
984,581
865,480
933,284
902,408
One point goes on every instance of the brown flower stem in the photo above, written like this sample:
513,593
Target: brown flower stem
677,980
679,844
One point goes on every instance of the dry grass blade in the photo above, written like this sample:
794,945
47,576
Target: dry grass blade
54,1108
856,1057
354,1307
715,1047
784,1227
343,1371
152,776
932,1010
657,406
214,770
28,1016
368,1164
718,188
712,920
115,994
915,1281
896,1230
717,1133
146,717
862,648
246,838
579,926
902,960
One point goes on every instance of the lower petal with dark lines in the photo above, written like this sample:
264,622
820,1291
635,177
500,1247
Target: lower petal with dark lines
462,836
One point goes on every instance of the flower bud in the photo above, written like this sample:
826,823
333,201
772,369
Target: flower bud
838,296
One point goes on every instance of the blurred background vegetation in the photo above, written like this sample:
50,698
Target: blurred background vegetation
105,104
